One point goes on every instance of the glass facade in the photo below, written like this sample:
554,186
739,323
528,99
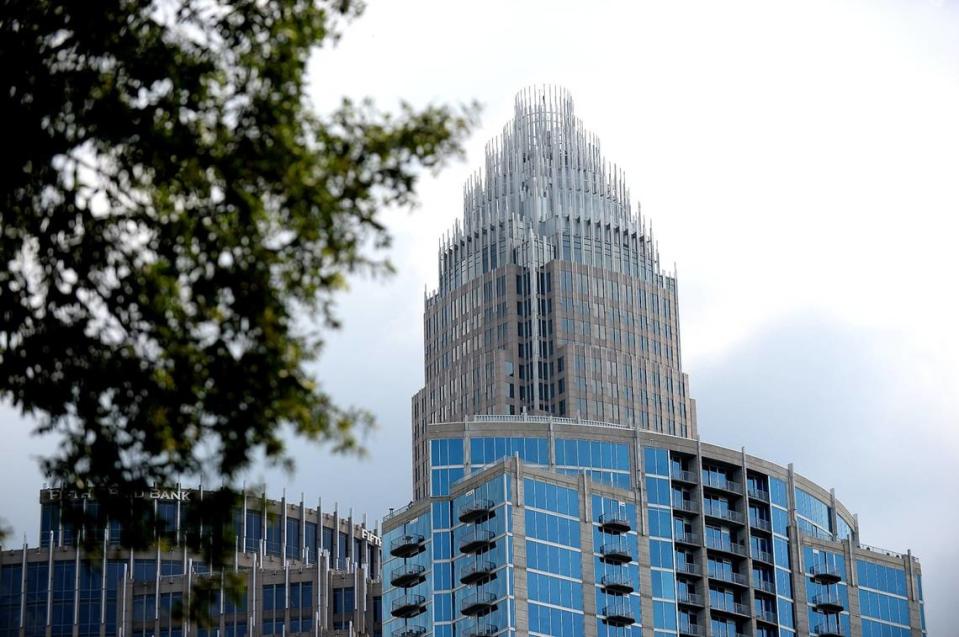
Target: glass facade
558,523
62,590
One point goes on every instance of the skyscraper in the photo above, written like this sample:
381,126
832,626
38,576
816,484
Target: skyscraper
551,296
561,487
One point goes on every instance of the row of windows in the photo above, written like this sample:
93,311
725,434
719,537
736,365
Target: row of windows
550,497
885,607
877,629
813,509
554,559
888,579
554,622
555,591
489,450
552,528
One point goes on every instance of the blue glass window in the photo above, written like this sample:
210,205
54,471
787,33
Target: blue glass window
550,497
779,493
658,491
656,461
488,450
661,553
660,523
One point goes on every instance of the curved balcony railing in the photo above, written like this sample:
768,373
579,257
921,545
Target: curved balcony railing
684,476
617,583
762,556
825,574
481,629
478,572
616,523
828,628
828,603
408,575
615,553
478,510
764,585
408,545
478,604
619,613
476,541
408,606
410,631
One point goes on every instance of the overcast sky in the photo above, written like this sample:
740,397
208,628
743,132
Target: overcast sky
800,164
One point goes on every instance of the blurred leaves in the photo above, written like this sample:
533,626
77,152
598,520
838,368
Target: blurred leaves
171,209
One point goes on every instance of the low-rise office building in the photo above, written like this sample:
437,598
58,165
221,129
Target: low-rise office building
306,571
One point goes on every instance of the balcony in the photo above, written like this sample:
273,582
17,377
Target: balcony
410,631
722,604
482,630
478,510
688,568
766,586
828,629
688,538
617,584
619,614
408,545
767,616
758,494
691,630
690,599
408,575
762,556
615,553
479,572
615,523
686,506
828,603
685,476
825,574
728,546
476,541
478,604
760,524
727,515
730,578
723,484
408,606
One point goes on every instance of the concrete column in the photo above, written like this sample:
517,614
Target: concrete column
703,559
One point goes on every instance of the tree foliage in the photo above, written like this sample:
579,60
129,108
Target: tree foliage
172,208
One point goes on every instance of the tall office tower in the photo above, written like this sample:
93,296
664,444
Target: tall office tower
551,297
560,488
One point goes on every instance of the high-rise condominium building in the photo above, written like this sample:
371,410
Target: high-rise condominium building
560,486
305,571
